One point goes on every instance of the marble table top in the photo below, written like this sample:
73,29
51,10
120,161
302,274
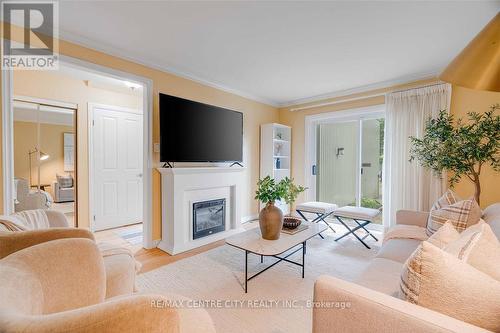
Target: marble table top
251,240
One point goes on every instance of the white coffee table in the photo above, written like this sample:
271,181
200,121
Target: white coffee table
251,241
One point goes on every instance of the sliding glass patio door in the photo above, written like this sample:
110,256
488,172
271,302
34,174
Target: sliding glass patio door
349,161
337,161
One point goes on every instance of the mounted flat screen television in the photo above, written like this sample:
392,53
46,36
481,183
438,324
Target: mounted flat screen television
195,132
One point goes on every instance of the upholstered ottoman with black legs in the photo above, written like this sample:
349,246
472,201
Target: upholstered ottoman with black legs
321,209
361,216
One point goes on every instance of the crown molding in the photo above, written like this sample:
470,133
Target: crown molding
88,43
119,53
365,88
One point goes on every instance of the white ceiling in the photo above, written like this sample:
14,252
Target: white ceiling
281,52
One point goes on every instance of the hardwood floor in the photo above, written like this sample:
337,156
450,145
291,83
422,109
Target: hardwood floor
153,258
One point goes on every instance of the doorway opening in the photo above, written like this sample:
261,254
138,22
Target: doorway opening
80,90
44,153
345,153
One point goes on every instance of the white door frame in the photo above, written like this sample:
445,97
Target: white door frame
90,114
147,107
7,141
310,136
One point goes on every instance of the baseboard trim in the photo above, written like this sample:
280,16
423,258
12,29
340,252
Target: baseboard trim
249,218
155,243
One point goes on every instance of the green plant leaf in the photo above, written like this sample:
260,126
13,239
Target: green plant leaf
270,191
461,147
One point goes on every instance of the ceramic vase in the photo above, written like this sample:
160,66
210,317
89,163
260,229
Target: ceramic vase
270,221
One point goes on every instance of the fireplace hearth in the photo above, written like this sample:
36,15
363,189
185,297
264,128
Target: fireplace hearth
209,217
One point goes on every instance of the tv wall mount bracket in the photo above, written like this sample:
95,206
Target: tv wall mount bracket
236,163
167,165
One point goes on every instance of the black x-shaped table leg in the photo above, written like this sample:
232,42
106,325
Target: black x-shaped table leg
361,225
319,217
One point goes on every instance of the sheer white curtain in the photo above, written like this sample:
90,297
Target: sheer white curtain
408,185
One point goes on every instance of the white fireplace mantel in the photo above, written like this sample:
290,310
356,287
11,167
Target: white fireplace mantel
181,187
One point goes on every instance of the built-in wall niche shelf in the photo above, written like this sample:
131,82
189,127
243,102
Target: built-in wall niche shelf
275,153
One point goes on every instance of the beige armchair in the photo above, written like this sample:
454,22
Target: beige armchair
119,264
63,194
43,292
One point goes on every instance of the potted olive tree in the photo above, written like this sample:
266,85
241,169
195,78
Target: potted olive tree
463,148
268,192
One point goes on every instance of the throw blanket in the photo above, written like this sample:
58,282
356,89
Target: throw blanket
405,231
26,220
11,223
111,250
35,219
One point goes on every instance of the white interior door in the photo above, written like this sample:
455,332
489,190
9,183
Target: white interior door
117,168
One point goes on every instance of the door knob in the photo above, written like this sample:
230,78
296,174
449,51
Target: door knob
139,175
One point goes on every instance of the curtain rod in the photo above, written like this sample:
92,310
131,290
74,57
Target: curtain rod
360,97
419,87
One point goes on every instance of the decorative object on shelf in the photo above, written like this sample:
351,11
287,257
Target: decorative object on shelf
268,192
278,149
278,163
460,147
279,136
478,65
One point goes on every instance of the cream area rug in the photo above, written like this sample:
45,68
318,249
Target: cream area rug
277,300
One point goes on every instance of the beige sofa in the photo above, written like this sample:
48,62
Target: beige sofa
373,297
43,292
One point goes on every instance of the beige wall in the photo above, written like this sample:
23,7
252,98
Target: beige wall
51,143
56,86
255,113
463,100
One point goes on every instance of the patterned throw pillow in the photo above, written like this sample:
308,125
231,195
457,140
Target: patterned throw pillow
439,281
65,181
461,213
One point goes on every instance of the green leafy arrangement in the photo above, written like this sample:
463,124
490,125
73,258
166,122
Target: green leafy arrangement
269,191
292,191
462,147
